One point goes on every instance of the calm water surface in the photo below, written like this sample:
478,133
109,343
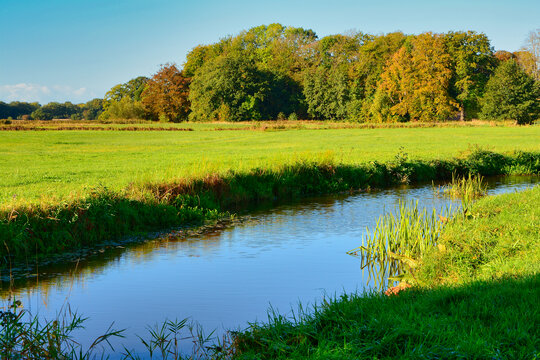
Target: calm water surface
227,277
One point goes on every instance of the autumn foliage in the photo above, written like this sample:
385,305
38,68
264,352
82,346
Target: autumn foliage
165,96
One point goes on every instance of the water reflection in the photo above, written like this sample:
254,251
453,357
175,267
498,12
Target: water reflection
228,275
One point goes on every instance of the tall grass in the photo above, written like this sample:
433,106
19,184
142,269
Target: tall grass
25,336
392,251
465,188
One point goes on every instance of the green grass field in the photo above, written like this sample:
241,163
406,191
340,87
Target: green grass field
51,165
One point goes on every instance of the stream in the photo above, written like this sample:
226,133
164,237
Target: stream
230,275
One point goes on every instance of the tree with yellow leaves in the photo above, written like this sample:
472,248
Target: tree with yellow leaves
415,83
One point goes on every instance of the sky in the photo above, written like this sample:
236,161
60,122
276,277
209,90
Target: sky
75,50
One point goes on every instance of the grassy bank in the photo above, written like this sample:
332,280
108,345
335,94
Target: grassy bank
478,299
31,231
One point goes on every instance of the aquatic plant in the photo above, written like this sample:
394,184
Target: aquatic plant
24,336
393,249
164,342
467,189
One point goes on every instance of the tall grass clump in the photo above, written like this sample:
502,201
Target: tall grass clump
25,336
470,187
393,249
466,188
164,342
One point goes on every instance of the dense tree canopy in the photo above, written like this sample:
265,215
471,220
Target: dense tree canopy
17,109
511,94
55,110
275,71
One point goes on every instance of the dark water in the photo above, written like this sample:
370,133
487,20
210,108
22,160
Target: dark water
229,276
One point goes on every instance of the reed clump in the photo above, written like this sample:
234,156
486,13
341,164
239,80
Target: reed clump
468,187
394,248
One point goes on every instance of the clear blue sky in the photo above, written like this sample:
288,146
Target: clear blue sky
58,50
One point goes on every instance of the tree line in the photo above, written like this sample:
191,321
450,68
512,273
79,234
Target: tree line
277,72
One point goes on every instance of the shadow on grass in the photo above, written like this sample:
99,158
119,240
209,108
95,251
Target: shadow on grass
480,320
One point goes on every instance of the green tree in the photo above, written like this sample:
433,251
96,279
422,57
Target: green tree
132,89
92,109
123,109
56,110
17,109
327,93
511,94
231,88
330,89
123,101
472,63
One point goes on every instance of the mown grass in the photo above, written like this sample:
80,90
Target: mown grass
478,299
52,166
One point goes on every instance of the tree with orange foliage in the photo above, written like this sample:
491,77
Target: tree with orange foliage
415,83
165,96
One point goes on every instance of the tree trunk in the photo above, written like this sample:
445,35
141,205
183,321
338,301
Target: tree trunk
462,113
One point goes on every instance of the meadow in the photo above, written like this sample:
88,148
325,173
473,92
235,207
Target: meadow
52,166
66,190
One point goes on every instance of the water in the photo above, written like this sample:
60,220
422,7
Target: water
229,276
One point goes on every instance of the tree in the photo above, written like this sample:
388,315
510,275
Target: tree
131,89
511,94
166,94
123,109
472,63
92,109
327,93
55,110
415,82
123,101
17,109
529,56
228,88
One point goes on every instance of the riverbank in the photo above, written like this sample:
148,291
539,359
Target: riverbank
476,297
34,231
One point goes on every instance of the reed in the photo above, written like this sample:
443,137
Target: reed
24,336
394,248
466,188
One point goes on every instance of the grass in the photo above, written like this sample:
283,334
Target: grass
477,299
25,336
53,166
499,237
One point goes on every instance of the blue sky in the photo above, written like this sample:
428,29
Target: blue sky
58,50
